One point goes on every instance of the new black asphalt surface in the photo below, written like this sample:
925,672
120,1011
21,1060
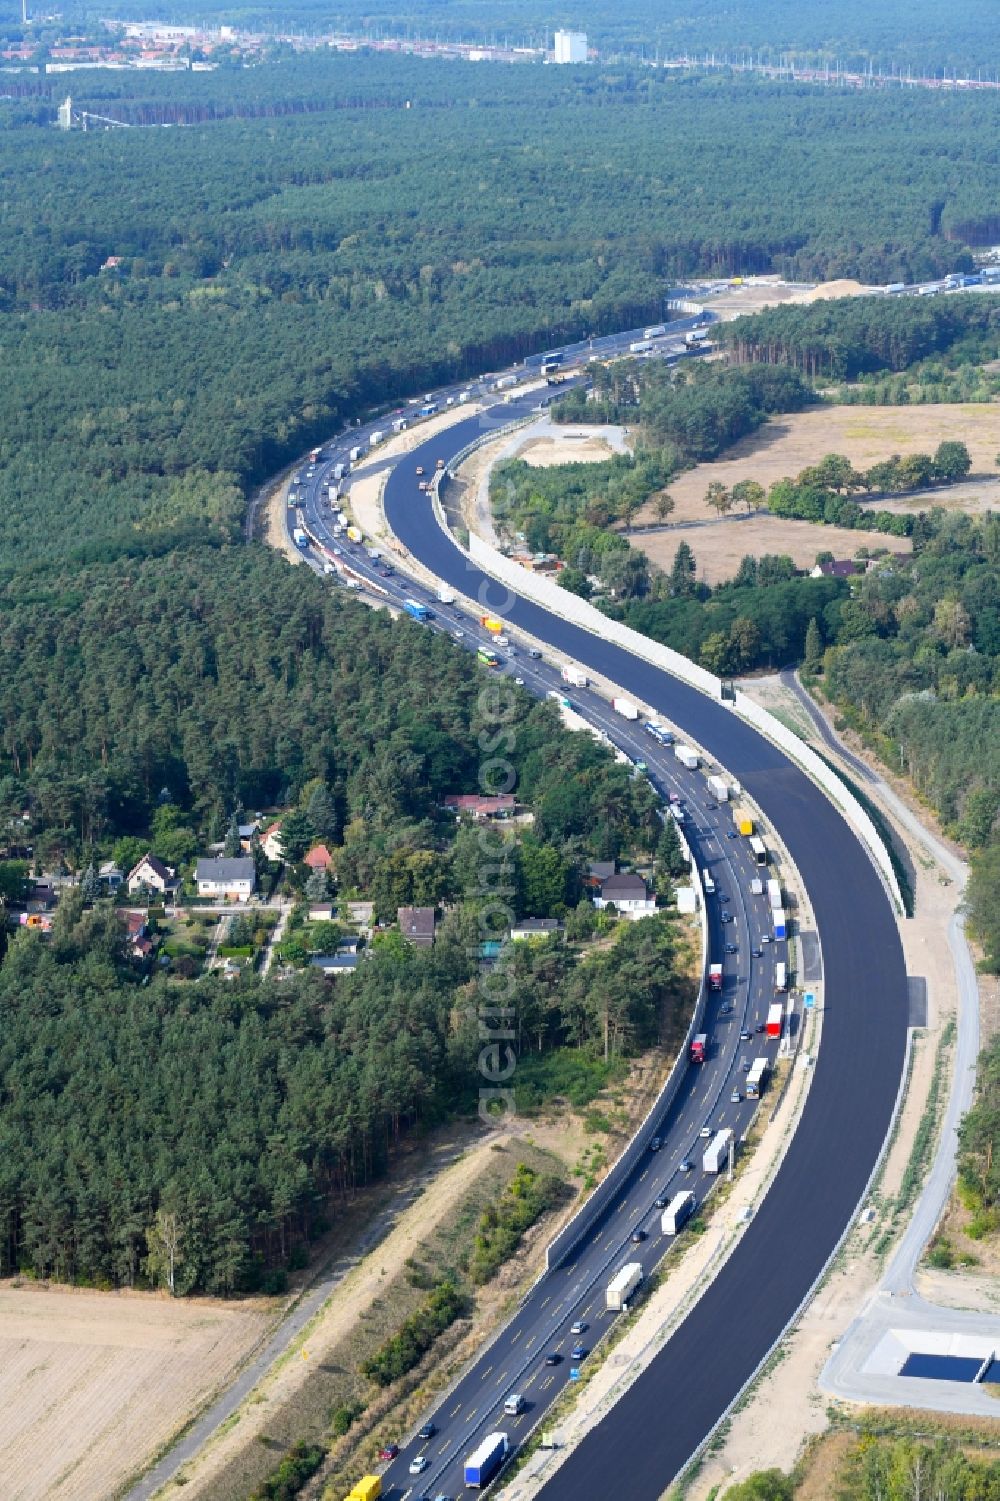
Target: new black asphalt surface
648,1436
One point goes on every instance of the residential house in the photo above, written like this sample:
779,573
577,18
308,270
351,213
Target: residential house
361,913
318,858
246,833
227,880
535,927
598,871
271,842
332,965
110,875
136,933
323,913
502,805
417,924
152,875
628,893
844,568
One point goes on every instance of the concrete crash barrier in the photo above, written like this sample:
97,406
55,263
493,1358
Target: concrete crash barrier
571,607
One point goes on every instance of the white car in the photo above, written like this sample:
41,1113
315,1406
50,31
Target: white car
419,1465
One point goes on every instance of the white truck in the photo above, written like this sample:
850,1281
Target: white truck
640,346
657,330
625,707
355,454
299,537
445,595
719,788
339,471
756,886
774,895
375,437
677,1211
717,1152
574,675
622,1286
687,757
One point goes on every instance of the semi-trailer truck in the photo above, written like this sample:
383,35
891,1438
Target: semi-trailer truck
715,977
775,1017
780,925
687,756
719,788
622,1286
698,1048
780,976
755,1078
677,1211
484,1462
625,707
574,675
640,346
774,894
758,849
717,1151
655,332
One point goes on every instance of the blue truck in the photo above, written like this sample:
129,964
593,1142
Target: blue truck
484,1462
417,610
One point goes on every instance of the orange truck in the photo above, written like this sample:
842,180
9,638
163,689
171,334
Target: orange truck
491,624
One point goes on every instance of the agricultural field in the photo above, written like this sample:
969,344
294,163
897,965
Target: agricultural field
93,1384
719,546
787,444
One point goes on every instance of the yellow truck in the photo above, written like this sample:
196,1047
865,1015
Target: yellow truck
355,534
744,823
369,1488
491,624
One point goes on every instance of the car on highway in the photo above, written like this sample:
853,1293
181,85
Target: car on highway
534,653
519,682
578,1352
579,1327
726,1008
419,1463
732,948
655,1144
388,1451
744,1065
731,834
553,1358
745,1034
459,635
426,1432
687,1166
711,807
661,1201
758,953
735,1097
706,1129
637,1237
728,917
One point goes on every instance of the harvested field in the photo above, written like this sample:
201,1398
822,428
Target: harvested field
719,546
545,452
93,1384
787,444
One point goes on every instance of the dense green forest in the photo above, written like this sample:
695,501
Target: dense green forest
918,35
361,250
232,1119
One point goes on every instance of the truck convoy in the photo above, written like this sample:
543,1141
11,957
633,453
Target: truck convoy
775,1017
484,1462
677,1211
625,707
717,1151
621,1287
698,1048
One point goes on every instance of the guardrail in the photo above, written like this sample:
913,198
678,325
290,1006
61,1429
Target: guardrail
572,1233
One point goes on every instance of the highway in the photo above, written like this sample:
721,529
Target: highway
674,1406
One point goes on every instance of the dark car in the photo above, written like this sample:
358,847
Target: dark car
760,1026
728,917
732,834
638,1236
578,1352
662,1200
725,1008
711,807
426,1432
732,948
553,1358
655,1144
758,953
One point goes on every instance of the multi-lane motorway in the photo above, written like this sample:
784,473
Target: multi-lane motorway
669,1411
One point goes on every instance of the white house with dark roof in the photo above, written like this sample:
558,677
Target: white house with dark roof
628,893
227,880
151,875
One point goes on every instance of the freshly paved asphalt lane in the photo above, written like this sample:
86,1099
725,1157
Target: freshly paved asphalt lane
651,1433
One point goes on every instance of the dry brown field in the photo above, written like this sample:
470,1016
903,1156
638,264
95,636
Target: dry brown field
93,1384
720,547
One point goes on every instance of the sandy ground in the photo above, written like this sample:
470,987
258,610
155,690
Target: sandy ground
787,444
769,291
92,1384
720,547
364,502
589,448
754,1440
275,526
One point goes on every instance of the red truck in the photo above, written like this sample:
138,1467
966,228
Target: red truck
715,977
698,1048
